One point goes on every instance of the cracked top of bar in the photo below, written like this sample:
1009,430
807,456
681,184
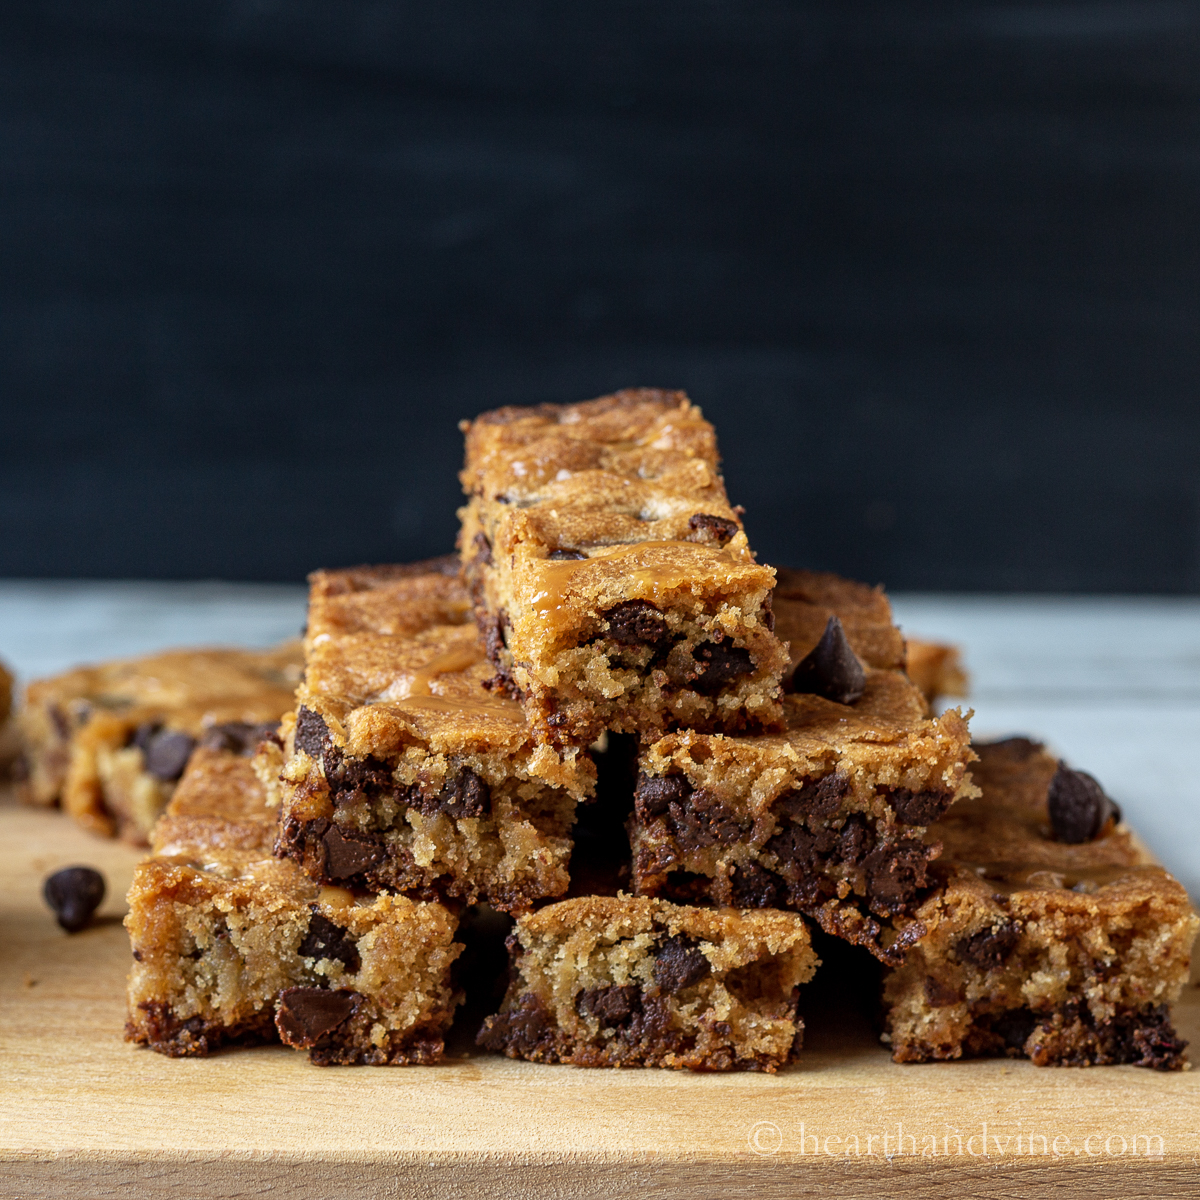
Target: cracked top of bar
400,770
1062,952
613,581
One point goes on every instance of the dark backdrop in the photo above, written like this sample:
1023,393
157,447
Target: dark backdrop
933,270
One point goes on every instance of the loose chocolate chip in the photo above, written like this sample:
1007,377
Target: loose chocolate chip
350,854
638,623
610,1005
74,893
815,797
165,752
1079,809
312,734
237,737
680,963
654,796
988,948
831,669
919,808
324,939
752,886
483,549
462,795
304,1015
706,528
566,555
719,663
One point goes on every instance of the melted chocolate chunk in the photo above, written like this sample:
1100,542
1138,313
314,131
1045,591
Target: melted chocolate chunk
483,549
463,795
566,555
74,894
611,1006
165,752
988,948
706,528
526,1030
895,875
752,886
919,808
324,939
654,796
816,797
719,664
1079,809
939,994
350,854
680,963
312,734
831,669
238,737
702,820
638,623
686,887
304,1015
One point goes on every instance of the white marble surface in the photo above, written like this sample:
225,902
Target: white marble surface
1113,685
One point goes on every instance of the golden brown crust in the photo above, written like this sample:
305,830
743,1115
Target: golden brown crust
630,981
78,727
936,669
606,564
1063,953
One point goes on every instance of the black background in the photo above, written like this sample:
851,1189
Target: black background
933,270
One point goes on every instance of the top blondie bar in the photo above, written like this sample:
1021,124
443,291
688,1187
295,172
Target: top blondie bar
613,583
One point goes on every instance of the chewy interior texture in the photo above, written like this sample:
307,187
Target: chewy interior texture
1064,953
627,981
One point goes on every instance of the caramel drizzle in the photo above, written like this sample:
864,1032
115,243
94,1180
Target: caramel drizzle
420,690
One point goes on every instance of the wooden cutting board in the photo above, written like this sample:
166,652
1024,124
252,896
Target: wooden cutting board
84,1115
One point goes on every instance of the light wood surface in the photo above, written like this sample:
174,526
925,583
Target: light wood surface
84,1115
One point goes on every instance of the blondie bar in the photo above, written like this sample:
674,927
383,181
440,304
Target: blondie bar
401,770
936,669
230,945
608,981
613,582
110,741
1050,936
827,817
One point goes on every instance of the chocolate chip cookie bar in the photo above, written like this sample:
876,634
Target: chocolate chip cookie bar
401,770
609,981
936,669
1051,936
827,817
110,741
232,946
613,582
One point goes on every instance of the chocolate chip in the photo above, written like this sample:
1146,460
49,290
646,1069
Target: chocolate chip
831,669
462,795
1079,809
919,808
702,820
164,751
719,663
653,795
304,1015
238,737
350,854
74,893
988,948
752,886
895,875
566,555
312,734
638,623
483,549
611,1006
939,994
815,797
526,1029
706,528
680,963
324,939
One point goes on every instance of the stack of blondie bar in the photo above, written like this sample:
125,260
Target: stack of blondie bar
659,764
